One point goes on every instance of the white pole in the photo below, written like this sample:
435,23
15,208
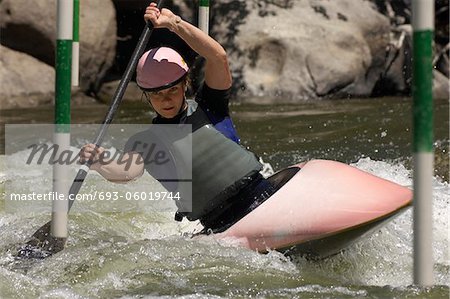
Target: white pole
61,184
203,16
76,44
423,25
75,64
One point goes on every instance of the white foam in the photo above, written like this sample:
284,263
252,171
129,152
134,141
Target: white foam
137,241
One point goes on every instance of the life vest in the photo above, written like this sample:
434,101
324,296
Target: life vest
219,166
222,124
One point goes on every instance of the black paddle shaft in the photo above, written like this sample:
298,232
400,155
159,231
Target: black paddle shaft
117,99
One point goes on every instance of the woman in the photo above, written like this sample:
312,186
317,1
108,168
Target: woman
226,184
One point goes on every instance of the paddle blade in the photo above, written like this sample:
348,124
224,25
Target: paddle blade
41,244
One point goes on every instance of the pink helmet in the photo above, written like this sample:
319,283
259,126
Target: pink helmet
160,68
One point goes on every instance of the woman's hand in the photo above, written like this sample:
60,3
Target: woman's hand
160,18
90,152
129,169
217,70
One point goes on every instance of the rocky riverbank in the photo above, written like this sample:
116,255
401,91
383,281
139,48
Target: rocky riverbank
283,49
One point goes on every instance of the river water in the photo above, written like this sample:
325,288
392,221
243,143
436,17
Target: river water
145,254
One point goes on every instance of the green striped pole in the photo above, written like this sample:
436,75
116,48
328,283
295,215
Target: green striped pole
203,16
76,43
423,24
61,135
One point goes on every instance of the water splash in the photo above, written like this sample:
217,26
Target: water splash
144,252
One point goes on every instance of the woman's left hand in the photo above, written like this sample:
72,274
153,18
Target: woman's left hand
160,18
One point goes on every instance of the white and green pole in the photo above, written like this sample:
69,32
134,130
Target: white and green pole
76,43
61,136
423,25
203,16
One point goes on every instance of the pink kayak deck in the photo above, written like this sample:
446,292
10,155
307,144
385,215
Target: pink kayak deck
324,198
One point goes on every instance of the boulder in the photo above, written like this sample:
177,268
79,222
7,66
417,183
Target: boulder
442,59
25,81
398,73
108,89
399,13
397,77
441,86
303,49
32,29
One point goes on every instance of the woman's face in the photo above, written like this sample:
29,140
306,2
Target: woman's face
168,102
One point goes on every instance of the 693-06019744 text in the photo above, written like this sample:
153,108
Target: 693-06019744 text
97,195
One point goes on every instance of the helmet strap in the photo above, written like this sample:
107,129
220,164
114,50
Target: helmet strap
183,106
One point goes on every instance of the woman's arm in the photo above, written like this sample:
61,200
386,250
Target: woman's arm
126,168
217,71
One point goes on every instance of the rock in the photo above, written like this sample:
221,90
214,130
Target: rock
441,86
97,42
32,29
399,13
442,59
25,81
107,91
304,49
397,76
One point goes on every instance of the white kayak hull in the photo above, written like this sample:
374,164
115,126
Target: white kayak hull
322,209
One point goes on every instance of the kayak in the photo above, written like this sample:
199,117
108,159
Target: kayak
321,207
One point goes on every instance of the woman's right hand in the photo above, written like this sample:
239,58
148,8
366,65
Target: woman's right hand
109,168
90,152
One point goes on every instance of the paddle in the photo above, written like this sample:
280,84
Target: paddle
42,244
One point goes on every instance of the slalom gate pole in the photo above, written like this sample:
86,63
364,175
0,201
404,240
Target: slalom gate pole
76,44
52,236
61,136
203,16
423,25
